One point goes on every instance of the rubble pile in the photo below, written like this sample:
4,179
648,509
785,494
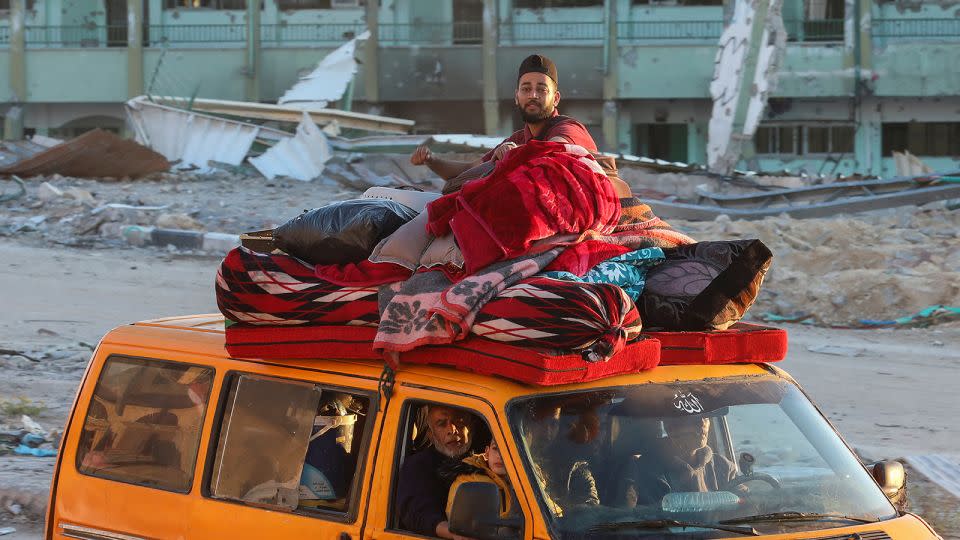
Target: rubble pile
846,269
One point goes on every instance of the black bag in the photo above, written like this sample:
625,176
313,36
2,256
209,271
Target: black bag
341,232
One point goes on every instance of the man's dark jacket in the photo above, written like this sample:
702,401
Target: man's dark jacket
422,492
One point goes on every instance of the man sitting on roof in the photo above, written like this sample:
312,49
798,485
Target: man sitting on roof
537,97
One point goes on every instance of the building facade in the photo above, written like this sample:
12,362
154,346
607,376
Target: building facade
860,78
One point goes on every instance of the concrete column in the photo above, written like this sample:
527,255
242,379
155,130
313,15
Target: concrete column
371,53
748,73
491,105
864,22
13,121
252,64
134,48
610,115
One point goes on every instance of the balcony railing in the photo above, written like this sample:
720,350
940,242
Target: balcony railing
917,28
554,32
461,33
75,36
639,31
198,34
278,35
455,33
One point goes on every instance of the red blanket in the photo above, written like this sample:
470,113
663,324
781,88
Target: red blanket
541,190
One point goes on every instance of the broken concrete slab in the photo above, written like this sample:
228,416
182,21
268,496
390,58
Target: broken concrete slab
293,113
302,156
194,139
329,80
95,154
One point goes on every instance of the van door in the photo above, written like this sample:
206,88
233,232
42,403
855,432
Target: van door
287,453
405,436
127,468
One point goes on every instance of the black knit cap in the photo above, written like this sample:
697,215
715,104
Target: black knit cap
537,63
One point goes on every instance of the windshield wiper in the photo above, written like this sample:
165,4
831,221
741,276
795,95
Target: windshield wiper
794,516
667,523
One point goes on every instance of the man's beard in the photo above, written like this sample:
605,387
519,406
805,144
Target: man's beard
452,452
536,117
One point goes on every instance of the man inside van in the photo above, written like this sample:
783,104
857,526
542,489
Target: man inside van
423,488
537,97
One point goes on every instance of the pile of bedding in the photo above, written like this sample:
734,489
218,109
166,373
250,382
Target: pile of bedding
543,252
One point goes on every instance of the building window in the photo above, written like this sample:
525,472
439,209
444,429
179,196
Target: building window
143,423
5,5
662,141
922,138
802,140
540,4
291,445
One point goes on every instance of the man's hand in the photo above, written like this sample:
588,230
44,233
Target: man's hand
502,150
421,156
443,531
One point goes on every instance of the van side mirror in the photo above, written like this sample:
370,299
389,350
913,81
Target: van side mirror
891,477
476,513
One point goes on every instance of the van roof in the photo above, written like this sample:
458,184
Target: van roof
202,335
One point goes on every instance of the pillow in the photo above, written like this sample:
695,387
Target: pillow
704,286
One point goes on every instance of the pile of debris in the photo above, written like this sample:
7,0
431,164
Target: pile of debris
29,439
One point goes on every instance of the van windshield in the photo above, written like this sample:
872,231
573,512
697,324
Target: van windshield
698,459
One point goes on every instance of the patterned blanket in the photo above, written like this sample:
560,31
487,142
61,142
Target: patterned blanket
265,291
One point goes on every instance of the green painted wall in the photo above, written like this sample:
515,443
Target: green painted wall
91,75
917,69
5,94
217,73
648,72
814,71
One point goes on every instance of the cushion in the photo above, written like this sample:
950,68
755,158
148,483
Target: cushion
411,246
475,354
741,343
704,286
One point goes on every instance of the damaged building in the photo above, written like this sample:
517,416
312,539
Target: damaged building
844,84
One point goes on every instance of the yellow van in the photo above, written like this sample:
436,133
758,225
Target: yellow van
171,438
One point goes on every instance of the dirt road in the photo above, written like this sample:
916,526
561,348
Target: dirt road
895,398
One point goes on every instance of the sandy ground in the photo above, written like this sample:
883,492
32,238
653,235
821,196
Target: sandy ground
67,277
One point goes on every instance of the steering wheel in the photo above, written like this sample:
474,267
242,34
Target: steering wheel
743,479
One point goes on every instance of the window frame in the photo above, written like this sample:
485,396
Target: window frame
887,149
801,141
200,432
352,512
401,444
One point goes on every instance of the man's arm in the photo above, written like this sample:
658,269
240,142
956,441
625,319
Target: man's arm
445,168
419,503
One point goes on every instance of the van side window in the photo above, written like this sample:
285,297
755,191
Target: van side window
288,445
143,424
443,447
